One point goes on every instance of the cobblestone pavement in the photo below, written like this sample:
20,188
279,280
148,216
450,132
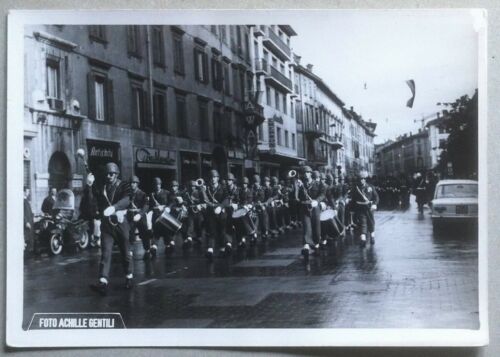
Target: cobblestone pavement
410,278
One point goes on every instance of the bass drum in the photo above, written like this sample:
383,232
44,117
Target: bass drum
243,222
168,222
330,223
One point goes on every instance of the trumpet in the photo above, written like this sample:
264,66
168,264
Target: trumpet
200,182
292,174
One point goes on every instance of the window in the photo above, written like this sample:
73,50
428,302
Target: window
278,135
27,173
284,104
100,97
293,141
276,99
213,29
203,120
133,41
442,143
268,96
53,89
200,65
292,109
158,46
236,91
242,85
97,33
160,113
260,132
178,54
226,79
216,74
138,107
180,107
286,139
217,120
238,40
247,47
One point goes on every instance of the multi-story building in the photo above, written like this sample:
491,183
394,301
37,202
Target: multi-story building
167,101
358,144
320,113
274,81
407,154
438,137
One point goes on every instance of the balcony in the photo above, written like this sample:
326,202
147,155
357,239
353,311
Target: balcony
279,80
259,30
334,140
276,44
312,129
261,66
317,157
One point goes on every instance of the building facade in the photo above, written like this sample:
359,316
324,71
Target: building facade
168,101
438,137
407,155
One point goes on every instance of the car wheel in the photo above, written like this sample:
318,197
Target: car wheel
55,244
83,242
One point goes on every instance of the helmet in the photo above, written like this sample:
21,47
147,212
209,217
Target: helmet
112,167
256,178
230,176
266,179
322,176
363,174
214,173
157,181
175,183
306,169
134,179
274,179
315,174
246,180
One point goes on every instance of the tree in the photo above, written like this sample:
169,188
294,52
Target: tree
461,149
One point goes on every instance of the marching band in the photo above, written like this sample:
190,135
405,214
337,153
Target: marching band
227,215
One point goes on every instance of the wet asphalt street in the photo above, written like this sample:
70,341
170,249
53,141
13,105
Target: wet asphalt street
410,278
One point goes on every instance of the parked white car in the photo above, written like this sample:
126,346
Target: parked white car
455,201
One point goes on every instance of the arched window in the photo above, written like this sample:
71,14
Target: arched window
59,170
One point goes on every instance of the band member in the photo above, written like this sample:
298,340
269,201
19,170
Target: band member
195,199
28,222
89,211
113,200
270,206
310,193
49,201
365,200
246,200
285,209
232,196
139,207
292,200
179,210
216,217
158,201
259,199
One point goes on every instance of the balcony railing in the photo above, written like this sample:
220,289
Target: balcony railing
261,66
281,78
318,156
313,129
279,42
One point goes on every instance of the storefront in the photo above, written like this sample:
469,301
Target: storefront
151,163
99,154
190,166
236,161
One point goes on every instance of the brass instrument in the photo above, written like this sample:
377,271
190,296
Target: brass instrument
200,182
292,174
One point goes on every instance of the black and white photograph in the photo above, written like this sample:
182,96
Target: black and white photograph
316,173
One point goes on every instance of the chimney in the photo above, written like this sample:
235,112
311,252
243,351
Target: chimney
309,67
297,58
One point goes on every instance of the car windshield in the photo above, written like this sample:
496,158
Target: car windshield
457,191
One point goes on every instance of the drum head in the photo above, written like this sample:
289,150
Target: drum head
327,214
240,213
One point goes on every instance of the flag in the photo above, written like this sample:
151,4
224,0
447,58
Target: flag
411,84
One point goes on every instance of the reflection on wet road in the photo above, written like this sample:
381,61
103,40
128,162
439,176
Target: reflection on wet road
409,278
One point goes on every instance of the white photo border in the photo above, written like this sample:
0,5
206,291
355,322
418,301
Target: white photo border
17,337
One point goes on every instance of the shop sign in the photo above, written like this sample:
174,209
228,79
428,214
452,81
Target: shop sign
103,150
150,156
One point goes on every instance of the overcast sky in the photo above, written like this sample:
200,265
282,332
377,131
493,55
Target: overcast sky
384,49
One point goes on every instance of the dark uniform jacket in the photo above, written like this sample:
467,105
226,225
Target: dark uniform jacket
215,195
89,208
246,196
259,195
47,204
232,195
269,194
158,199
312,191
141,201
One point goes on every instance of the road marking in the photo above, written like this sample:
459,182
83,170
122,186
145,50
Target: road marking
147,281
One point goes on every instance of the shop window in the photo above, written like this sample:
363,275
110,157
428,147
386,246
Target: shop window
133,41
178,53
158,46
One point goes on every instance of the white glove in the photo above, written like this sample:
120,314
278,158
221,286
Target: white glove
314,203
167,209
322,205
90,179
374,207
235,206
137,217
198,207
179,200
161,208
109,211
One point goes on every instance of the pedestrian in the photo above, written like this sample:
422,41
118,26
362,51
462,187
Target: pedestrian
28,222
48,202
365,200
113,201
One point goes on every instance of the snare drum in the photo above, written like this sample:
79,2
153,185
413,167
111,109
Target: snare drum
329,225
243,222
169,222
